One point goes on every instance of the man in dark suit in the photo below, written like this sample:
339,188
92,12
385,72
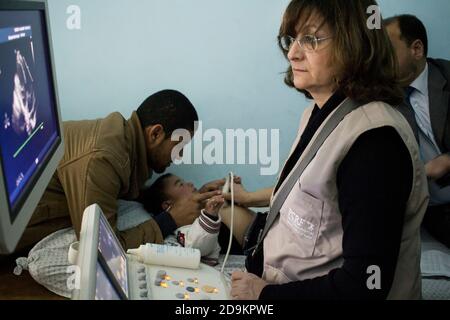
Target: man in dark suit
426,106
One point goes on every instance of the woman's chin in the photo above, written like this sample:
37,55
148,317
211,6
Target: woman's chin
300,85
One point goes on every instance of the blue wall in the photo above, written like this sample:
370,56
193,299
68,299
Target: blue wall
221,54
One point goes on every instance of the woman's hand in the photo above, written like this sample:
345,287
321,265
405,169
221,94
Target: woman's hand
259,198
241,196
216,185
246,286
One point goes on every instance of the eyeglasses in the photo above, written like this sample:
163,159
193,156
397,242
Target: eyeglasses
308,42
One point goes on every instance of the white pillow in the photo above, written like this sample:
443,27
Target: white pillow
130,214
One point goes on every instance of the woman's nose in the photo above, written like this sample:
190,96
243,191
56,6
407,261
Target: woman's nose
295,52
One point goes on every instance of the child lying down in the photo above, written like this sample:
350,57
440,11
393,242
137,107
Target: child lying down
203,234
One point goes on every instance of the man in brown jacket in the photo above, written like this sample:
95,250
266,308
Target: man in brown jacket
111,158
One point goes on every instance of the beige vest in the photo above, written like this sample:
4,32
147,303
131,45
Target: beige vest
305,241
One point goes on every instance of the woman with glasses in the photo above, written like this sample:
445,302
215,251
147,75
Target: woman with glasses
349,225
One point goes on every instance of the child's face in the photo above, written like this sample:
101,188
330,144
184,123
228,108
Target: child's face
176,188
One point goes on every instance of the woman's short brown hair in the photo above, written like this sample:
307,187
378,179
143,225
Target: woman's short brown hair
365,58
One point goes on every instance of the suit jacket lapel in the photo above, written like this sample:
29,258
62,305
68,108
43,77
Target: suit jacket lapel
439,102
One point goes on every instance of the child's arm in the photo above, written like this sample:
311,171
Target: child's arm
204,232
203,235
257,199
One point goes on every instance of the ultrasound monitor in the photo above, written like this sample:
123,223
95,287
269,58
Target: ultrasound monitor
101,260
113,255
31,142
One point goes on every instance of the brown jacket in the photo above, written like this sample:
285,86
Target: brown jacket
104,160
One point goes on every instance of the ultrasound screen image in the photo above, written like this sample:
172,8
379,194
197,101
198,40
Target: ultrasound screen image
28,117
104,289
111,251
24,97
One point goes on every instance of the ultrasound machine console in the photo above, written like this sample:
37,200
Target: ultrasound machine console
107,272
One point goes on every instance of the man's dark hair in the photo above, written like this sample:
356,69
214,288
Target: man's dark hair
153,197
411,29
169,108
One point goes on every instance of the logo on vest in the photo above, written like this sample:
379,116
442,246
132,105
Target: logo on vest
303,227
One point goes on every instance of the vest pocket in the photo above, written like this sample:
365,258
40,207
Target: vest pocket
302,217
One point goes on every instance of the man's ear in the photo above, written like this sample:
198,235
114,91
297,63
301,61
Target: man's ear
155,134
418,49
166,204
